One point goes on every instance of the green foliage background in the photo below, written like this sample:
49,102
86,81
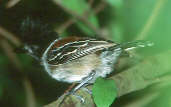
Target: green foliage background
116,20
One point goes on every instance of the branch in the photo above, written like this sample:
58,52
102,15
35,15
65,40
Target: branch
83,18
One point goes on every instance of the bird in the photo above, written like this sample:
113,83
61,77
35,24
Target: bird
80,60
72,59
83,59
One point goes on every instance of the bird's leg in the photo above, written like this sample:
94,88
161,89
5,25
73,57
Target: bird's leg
82,84
86,89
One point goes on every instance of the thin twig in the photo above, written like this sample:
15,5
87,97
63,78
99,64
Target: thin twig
79,17
71,21
11,37
11,55
12,3
90,2
151,20
65,25
13,58
100,7
31,101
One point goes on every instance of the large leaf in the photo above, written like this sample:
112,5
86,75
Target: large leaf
104,92
145,19
148,19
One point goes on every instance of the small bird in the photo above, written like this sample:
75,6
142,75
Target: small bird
82,59
72,59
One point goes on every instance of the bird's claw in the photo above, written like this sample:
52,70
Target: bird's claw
87,90
77,96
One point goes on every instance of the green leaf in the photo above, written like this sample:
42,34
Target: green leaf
148,19
164,95
104,92
144,75
145,19
80,7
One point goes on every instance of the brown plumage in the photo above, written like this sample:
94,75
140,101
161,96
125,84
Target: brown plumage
74,58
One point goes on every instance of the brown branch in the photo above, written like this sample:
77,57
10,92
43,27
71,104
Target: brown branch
100,7
11,55
65,25
90,2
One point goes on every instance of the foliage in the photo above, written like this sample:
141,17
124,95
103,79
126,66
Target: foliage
104,92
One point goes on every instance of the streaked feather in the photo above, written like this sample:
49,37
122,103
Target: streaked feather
75,50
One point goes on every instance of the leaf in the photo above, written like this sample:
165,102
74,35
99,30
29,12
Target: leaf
163,98
104,92
133,82
80,7
148,19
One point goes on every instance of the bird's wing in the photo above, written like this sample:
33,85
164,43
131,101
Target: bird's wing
75,50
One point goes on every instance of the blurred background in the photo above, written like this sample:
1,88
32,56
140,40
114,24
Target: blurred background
23,81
